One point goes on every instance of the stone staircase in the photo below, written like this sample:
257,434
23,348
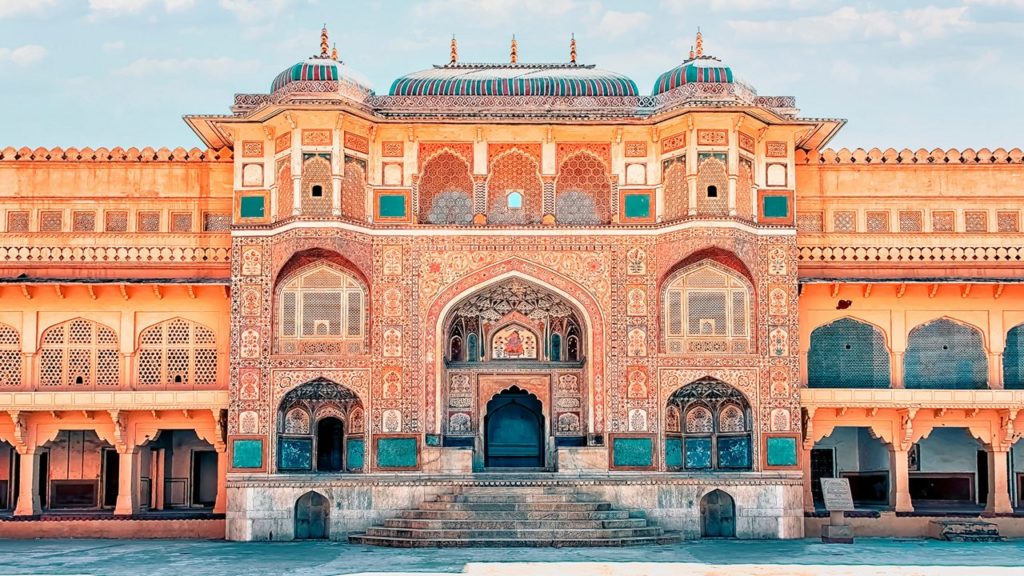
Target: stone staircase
515,516
964,530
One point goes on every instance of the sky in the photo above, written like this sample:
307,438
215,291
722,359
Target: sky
939,73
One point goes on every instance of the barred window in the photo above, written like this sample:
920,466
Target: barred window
177,352
79,352
848,353
717,431
10,356
323,303
707,310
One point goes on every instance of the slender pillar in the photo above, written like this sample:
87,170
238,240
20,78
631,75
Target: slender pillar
127,496
691,183
900,490
998,486
995,370
805,467
220,505
897,369
28,489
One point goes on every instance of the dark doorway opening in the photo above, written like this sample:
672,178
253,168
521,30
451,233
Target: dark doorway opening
822,466
983,477
717,515
43,480
204,478
514,431
312,512
111,477
329,443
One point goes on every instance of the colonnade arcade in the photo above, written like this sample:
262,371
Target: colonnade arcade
119,461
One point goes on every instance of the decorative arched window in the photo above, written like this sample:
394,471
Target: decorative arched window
1013,359
712,182
79,352
707,310
582,191
716,431
514,189
177,353
848,353
514,200
445,190
320,429
945,354
10,356
316,185
321,311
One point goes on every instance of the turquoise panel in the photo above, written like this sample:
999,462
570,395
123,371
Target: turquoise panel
733,452
848,354
1013,359
945,354
698,453
392,206
638,205
633,452
396,452
252,206
356,448
247,453
295,454
776,206
433,440
781,451
674,452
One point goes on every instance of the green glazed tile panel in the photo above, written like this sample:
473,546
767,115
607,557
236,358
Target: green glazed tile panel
392,206
296,454
638,205
633,452
354,458
776,207
674,452
247,453
781,451
396,452
252,206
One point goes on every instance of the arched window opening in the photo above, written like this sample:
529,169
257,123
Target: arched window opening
473,351
556,348
944,354
321,311
1013,359
445,190
79,353
10,356
716,430
514,200
320,429
707,309
177,352
317,191
712,192
316,178
848,353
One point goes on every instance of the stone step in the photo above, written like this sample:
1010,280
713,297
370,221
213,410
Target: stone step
511,542
526,534
517,506
444,514
504,523
515,490
517,497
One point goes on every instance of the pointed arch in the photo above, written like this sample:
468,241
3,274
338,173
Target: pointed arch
717,427
1013,359
10,357
321,306
317,185
445,189
79,352
176,352
677,190
707,307
583,190
946,354
848,353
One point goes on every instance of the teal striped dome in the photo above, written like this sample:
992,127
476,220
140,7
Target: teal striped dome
318,68
514,80
702,69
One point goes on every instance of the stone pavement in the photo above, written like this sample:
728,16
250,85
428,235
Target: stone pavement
868,557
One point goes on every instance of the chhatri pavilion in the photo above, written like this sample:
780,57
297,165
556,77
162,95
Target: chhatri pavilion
508,292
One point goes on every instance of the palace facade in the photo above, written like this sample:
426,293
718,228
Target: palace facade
508,274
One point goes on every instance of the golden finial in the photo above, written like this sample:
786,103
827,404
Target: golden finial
692,55
334,52
455,51
323,41
572,49
700,44
515,50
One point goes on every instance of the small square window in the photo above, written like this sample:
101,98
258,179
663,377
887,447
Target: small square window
317,191
712,192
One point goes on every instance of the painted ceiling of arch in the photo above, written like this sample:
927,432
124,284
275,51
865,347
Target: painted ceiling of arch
514,295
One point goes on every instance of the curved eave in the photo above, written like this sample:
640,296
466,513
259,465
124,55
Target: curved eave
208,128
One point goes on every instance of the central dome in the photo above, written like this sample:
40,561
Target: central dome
514,79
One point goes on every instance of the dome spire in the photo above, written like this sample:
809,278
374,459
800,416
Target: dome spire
455,51
572,49
334,52
323,41
700,43
692,55
514,54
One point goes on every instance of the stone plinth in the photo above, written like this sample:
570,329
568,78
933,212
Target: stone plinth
582,459
447,460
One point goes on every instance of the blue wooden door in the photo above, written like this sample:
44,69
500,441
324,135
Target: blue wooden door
514,431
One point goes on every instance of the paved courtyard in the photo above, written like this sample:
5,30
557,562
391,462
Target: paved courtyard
721,558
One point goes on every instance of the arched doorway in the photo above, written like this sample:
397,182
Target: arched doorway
312,512
514,431
717,515
329,443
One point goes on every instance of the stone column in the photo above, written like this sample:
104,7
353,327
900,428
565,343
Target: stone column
995,370
732,194
127,496
220,505
899,492
805,467
998,487
897,369
28,479
691,183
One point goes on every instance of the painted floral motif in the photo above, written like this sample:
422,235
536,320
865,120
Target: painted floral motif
250,347
637,343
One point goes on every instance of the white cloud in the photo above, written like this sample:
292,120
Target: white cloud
614,23
203,66
998,3
23,55
15,8
845,71
255,10
178,5
112,8
495,12
114,46
682,6
849,24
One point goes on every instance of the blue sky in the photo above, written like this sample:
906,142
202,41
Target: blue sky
944,73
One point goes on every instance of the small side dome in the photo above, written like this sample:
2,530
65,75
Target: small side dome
698,68
321,67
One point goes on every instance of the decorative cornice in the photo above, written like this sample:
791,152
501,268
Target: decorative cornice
890,156
58,154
